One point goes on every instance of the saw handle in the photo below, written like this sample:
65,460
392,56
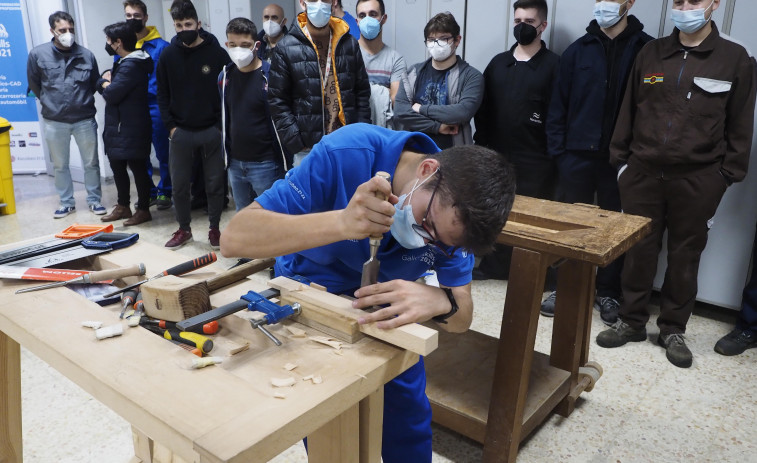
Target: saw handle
191,265
114,274
381,196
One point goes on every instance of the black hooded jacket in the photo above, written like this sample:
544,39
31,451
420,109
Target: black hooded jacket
187,79
127,133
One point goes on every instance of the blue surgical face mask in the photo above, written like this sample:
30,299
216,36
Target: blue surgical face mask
402,227
690,21
319,13
608,14
369,28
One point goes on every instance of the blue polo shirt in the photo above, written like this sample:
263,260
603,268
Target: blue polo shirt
326,180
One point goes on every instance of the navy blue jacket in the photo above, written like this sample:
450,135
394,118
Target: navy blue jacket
589,89
127,133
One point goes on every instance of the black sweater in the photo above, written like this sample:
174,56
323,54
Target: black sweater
187,78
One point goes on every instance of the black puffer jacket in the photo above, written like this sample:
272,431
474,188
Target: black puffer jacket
295,92
128,128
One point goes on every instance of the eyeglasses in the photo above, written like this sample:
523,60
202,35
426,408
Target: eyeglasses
423,231
441,41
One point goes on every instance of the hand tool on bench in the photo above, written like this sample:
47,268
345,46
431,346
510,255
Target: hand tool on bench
192,339
254,301
97,244
127,299
93,277
371,266
177,270
208,328
40,274
188,347
174,299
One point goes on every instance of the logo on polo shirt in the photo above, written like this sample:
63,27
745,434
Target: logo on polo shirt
205,69
654,78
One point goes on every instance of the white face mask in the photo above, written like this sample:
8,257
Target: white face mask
241,56
440,52
402,227
319,13
690,21
272,28
66,39
608,14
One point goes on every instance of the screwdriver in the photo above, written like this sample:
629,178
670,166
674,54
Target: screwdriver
176,270
139,305
127,299
208,328
93,277
187,347
193,339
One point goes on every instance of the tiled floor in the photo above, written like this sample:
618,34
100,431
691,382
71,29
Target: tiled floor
642,410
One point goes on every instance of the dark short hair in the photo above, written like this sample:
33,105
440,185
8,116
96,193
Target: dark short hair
183,9
442,22
123,32
242,26
59,16
480,184
136,4
540,5
380,2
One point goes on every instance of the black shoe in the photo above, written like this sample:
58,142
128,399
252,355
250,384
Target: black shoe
608,309
619,334
479,274
675,349
736,342
548,305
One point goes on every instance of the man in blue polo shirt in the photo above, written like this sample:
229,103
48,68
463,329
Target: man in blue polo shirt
442,207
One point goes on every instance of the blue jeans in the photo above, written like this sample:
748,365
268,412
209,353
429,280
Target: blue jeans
250,179
161,143
58,139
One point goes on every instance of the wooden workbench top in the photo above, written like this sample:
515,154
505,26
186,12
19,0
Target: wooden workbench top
581,231
221,413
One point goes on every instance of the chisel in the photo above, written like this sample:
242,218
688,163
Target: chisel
177,270
371,266
93,277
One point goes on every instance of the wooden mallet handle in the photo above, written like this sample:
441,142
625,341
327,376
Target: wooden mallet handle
114,274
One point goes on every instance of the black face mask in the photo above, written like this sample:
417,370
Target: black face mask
525,33
187,37
109,49
135,25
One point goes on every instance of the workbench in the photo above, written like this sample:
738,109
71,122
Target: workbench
222,413
497,391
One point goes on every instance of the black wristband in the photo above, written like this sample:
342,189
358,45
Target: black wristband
443,318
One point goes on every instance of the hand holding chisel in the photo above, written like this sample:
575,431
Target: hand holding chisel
371,266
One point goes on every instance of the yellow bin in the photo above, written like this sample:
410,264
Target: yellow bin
6,173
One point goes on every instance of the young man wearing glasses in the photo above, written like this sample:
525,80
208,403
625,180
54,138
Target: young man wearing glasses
445,91
442,207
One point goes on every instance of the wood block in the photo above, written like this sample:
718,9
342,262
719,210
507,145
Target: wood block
10,400
337,441
174,299
338,313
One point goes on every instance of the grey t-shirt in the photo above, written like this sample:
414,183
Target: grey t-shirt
384,67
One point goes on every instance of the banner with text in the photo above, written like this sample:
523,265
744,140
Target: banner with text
16,105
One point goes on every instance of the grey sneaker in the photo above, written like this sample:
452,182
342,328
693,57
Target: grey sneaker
675,349
548,305
608,308
162,202
736,342
619,334
63,211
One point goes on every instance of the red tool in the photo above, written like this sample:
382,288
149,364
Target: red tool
208,328
43,274
177,270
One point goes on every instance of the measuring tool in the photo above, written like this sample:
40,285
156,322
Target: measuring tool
371,266
97,244
40,274
177,270
93,277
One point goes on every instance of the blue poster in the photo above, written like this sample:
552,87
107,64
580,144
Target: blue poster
15,104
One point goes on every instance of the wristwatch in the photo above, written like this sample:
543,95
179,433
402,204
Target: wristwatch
443,318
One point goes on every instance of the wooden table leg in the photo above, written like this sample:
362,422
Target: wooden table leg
575,297
371,426
10,400
337,440
514,355
143,446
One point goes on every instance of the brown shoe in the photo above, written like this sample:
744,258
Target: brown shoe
119,212
141,216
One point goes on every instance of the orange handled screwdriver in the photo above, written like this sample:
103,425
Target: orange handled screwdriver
177,270
208,328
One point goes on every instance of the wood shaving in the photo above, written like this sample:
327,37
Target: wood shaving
92,324
307,378
338,352
331,342
290,366
316,379
296,332
279,395
282,382
362,376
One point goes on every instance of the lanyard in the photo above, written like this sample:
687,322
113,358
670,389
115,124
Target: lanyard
324,77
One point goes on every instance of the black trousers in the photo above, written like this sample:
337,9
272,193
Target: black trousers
187,146
683,206
142,181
